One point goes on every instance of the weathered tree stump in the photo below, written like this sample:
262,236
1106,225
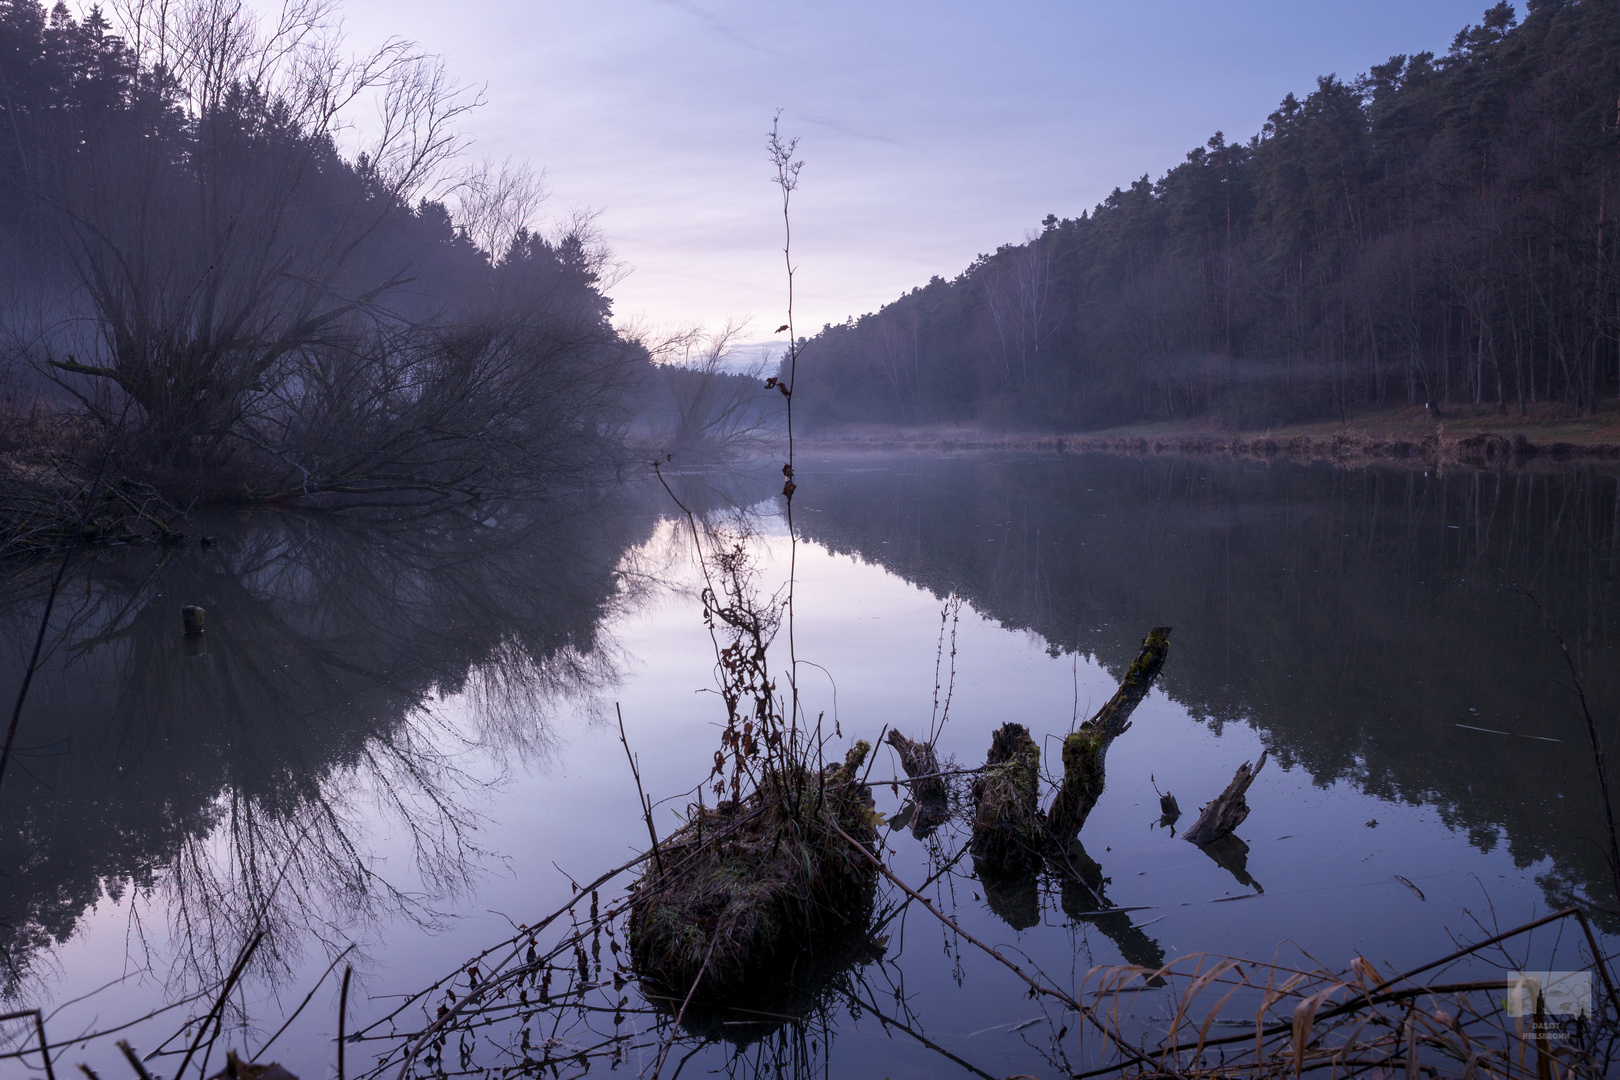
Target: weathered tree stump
1008,831
1226,811
928,794
1085,749
1012,837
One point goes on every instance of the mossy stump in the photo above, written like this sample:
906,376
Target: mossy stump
1008,831
928,791
743,896
1084,750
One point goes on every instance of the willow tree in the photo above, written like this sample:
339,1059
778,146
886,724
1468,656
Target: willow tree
261,285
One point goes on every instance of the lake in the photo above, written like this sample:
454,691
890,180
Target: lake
403,736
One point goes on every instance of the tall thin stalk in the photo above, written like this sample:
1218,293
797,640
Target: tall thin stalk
787,179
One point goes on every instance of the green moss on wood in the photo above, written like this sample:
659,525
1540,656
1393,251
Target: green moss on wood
1007,828
1085,751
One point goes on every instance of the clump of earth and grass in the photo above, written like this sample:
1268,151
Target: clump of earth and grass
745,896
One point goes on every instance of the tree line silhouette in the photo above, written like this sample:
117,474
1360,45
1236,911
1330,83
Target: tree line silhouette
271,299
1437,231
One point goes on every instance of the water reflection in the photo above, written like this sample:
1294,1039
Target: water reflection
1084,895
242,781
1357,619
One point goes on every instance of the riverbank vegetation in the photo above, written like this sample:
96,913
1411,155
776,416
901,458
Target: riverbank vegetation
1437,231
261,269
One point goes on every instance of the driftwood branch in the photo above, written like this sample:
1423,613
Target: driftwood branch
1226,812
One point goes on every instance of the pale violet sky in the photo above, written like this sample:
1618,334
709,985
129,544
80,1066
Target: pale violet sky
930,131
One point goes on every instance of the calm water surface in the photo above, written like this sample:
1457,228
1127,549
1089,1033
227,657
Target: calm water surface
403,737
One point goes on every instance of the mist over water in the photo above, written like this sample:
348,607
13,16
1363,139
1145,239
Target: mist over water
403,735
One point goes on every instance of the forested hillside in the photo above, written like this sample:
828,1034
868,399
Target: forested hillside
1439,230
190,259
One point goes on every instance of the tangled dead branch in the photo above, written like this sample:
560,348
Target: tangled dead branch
44,488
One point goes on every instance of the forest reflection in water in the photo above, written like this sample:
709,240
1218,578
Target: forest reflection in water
243,775
1337,619
1355,618
1352,619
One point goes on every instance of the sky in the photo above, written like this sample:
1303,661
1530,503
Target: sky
929,132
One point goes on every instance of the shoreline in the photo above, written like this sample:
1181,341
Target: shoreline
1345,447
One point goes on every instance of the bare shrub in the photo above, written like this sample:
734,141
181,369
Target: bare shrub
283,320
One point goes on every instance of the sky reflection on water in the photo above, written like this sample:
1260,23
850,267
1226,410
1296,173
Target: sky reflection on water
1371,780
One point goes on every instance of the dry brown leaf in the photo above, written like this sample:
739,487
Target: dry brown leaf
1364,971
1304,1018
1203,1031
1187,997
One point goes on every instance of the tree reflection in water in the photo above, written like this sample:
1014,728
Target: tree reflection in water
242,779
1351,618
1354,617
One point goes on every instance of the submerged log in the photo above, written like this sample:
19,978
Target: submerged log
928,793
1226,811
1008,832
1085,749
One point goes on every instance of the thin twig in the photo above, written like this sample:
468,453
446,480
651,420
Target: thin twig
1591,735
135,1060
680,1014
44,1044
646,807
343,1015
219,1005
307,998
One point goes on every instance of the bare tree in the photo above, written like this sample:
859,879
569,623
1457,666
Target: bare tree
244,285
497,203
1018,296
712,409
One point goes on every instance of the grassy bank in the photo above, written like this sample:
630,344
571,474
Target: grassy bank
1479,435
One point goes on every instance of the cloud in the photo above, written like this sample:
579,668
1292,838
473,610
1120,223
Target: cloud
852,132
719,27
